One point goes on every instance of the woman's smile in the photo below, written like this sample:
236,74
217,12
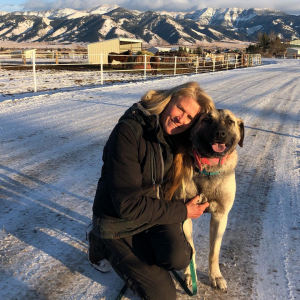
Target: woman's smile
179,115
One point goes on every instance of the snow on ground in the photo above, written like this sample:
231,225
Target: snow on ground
51,147
17,78
14,82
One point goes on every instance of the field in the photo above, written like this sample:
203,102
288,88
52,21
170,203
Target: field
51,149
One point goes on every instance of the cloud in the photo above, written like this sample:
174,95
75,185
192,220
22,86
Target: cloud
75,4
290,6
10,7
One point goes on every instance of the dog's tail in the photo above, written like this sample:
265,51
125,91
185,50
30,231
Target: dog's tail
180,173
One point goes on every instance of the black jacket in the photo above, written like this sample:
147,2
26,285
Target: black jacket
135,159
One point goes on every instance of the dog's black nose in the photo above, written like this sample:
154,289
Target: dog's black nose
220,134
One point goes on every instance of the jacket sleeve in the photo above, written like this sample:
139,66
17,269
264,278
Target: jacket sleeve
125,183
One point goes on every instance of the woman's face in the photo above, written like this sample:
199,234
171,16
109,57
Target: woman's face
179,115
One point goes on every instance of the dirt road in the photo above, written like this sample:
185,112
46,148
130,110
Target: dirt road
51,147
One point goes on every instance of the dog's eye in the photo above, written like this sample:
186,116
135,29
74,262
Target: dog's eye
207,120
230,122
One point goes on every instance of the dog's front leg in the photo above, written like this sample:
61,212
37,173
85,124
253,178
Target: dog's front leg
217,228
188,231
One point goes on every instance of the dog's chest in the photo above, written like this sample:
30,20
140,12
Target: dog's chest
208,185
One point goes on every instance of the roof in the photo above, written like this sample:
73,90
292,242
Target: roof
160,48
121,40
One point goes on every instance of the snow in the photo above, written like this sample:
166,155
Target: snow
254,29
22,28
69,13
51,148
197,32
52,13
102,9
59,31
107,26
216,33
175,15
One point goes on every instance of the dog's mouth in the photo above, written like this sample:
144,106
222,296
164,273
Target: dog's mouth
218,147
213,149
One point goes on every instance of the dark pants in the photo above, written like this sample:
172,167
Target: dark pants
144,260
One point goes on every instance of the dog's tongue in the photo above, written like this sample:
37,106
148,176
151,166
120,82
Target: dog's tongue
218,147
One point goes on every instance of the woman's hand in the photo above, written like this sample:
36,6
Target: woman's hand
195,209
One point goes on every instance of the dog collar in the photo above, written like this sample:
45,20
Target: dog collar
208,161
207,173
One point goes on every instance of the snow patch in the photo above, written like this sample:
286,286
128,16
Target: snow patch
254,29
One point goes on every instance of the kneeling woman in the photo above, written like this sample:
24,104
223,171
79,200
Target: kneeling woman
137,231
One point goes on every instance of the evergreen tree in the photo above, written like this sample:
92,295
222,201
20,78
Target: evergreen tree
198,50
264,42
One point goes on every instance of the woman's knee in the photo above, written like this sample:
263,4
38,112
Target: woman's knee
160,288
179,261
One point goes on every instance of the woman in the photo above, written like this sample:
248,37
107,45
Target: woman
136,230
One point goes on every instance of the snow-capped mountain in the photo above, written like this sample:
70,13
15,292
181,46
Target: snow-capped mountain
69,12
154,28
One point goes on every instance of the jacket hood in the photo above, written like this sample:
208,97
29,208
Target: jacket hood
141,115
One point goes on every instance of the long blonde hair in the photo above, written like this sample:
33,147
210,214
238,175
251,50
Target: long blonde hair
156,101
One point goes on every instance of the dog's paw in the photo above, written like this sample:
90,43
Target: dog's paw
219,283
187,278
202,199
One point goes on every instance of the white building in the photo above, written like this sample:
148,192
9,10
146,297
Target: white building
117,45
295,43
158,49
293,53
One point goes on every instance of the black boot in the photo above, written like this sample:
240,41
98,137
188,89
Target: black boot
94,253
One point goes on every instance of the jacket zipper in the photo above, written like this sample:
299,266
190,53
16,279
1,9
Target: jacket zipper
153,171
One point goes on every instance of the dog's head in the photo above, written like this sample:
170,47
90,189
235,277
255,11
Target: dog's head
217,133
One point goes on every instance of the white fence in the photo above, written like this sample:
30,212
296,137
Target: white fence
42,72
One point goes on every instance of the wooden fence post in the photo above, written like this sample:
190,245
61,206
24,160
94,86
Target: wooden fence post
101,67
214,63
175,65
33,69
227,57
197,64
56,57
145,67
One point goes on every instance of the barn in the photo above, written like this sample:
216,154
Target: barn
293,53
117,45
295,43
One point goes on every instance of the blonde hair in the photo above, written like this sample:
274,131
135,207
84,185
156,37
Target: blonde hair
156,101
180,173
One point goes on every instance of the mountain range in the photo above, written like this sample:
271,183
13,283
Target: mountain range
155,28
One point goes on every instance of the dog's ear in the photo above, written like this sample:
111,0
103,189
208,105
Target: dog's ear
242,131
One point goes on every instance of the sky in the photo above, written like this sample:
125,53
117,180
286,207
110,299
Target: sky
289,6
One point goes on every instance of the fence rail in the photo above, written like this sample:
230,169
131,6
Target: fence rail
41,72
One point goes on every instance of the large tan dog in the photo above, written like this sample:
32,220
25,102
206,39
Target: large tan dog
206,167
